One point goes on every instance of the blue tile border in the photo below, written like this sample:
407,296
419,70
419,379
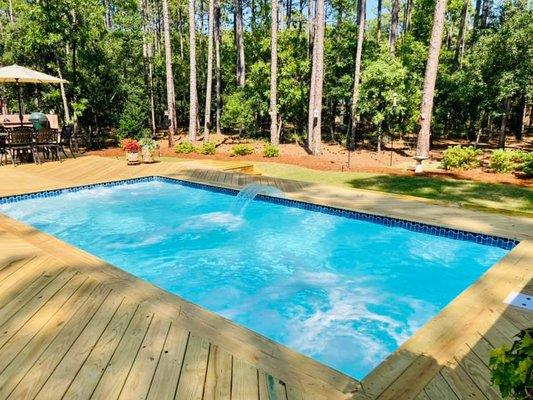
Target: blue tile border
433,230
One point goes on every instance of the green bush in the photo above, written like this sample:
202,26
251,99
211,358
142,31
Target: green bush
207,148
241,150
185,148
507,160
512,368
134,117
527,167
270,150
461,157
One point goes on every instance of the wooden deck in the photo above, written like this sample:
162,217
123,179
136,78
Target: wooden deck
75,327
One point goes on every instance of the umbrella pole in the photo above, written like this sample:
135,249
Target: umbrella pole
20,104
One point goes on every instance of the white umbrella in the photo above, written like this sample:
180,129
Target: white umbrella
17,74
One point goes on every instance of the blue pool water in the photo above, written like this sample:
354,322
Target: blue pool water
344,292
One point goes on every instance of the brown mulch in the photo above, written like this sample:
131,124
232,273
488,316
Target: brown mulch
335,158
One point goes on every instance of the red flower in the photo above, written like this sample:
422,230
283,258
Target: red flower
130,145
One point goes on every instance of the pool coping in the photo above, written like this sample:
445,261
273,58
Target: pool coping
374,383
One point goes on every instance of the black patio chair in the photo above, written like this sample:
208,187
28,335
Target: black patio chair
67,139
21,143
3,146
47,141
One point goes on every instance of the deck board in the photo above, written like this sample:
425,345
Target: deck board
74,326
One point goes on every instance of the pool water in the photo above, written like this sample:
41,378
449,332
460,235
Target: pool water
344,292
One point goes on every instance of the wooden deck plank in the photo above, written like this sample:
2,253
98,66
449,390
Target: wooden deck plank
165,380
86,379
461,383
218,379
118,368
245,383
438,389
70,364
47,362
271,388
478,373
138,381
192,378
27,345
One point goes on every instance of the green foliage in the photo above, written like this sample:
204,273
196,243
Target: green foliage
269,150
238,112
461,157
134,117
242,150
207,148
507,160
148,143
512,368
184,147
527,168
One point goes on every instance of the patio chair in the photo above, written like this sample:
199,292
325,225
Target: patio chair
67,138
3,146
47,141
20,142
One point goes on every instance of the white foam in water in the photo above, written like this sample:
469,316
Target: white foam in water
212,221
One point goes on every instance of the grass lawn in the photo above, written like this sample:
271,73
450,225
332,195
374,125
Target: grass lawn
504,198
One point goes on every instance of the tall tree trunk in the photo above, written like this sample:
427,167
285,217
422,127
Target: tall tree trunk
457,59
66,111
11,16
193,95
274,138
311,8
180,33
171,100
289,13
407,15
314,138
218,86
357,73
503,126
476,15
485,14
378,27
209,85
426,109
147,58
395,18
239,42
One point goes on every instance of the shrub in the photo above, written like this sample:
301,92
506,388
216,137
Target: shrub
134,116
207,148
512,369
184,148
270,150
507,160
527,167
461,157
149,143
241,150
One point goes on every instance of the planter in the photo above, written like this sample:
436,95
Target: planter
132,157
148,155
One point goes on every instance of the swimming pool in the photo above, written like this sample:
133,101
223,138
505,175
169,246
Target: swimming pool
343,288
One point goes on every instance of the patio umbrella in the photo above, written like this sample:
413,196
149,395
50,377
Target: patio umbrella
17,74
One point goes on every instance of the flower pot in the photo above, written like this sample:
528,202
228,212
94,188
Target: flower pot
147,155
132,157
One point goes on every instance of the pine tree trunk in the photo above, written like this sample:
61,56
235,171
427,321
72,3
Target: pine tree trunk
274,138
180,33
193,95
209,85
485,14
239,43
66,111
147,58
457,59
357,73
503,126
407,15
395,17
218,86
11,16
426,109
317,81
310,27
476,15
378,27
171,100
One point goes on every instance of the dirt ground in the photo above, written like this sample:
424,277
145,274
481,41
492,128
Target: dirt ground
391,160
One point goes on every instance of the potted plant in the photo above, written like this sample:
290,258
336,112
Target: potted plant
148,148
132,148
